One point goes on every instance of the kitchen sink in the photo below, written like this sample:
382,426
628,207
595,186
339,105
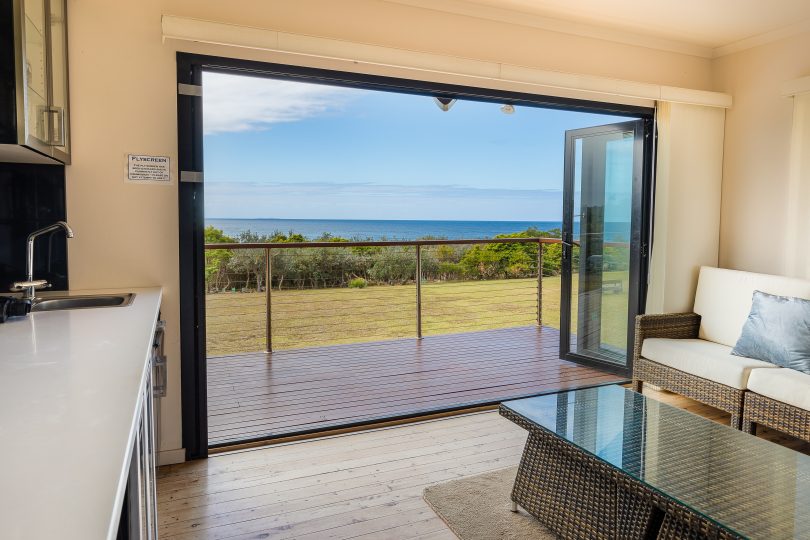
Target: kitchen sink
55,303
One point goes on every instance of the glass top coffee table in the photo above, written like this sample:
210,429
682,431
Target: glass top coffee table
607,462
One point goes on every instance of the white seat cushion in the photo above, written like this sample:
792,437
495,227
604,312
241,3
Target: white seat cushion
785,385
706,359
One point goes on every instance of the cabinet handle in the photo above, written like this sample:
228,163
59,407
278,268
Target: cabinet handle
43,130
52,125
159,361
56,135
159,384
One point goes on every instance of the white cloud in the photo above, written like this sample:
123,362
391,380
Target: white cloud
239,103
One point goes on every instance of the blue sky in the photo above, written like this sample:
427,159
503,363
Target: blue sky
283,149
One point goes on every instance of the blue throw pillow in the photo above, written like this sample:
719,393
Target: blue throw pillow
777,331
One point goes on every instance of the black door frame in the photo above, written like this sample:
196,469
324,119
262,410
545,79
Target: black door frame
641,230
193,375
190,68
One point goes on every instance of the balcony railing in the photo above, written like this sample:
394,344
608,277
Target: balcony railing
311,293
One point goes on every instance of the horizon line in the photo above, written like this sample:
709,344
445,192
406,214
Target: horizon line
376,219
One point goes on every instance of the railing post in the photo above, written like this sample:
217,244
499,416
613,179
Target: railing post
268,288
418,291
540,283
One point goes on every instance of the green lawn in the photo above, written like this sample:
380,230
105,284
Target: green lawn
301,318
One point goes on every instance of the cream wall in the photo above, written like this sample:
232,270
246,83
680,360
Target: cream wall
687,203
757,231
798,217
123,96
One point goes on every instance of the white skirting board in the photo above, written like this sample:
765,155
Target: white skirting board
170,457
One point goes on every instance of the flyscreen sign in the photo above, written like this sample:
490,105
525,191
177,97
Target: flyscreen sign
145,169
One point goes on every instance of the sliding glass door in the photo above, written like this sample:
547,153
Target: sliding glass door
602,242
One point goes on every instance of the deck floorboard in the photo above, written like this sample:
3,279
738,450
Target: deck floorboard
262,395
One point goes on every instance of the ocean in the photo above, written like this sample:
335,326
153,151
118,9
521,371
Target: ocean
364,229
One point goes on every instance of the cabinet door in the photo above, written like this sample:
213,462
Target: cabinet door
136,509
142,495
45,77
36,73
57,116
146,482
149,459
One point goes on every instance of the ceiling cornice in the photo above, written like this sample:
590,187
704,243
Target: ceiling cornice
762,39
480,11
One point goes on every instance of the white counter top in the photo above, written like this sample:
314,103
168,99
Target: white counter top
69,395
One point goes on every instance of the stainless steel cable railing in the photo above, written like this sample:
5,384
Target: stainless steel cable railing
266,296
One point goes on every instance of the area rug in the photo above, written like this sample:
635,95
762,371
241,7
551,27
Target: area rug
478,508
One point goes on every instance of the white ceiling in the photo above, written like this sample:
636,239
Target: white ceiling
703,27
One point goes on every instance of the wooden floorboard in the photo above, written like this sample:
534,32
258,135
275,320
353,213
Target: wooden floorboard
361,485
251,396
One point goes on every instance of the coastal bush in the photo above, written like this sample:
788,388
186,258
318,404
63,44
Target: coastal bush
449,271
326,267
394,267
508,260
358,283
217,260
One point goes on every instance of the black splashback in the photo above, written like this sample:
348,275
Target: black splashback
32,196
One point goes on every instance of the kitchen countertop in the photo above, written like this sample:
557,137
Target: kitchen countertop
69,394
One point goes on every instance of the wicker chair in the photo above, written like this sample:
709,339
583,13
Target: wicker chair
705,369
680,326
775,414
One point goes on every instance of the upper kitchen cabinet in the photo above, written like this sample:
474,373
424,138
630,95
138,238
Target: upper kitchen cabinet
34,125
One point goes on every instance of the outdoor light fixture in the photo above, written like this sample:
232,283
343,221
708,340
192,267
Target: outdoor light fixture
506,108
444,103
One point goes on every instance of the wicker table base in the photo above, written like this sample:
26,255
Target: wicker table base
579,496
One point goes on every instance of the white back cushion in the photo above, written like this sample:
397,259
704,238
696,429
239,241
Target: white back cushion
723,299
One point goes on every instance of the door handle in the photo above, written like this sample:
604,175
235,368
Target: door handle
566,249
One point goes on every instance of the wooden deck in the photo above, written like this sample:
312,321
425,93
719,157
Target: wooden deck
255,396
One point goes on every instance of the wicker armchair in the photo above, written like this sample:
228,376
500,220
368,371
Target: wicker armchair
680,326
775,414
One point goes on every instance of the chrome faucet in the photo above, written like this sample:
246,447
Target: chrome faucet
30,285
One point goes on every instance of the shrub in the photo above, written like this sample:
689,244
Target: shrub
358,283
450,271
394,267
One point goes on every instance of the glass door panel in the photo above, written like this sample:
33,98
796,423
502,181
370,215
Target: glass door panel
57,114
36,68
601,224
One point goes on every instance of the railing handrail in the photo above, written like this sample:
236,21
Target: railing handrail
381,243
